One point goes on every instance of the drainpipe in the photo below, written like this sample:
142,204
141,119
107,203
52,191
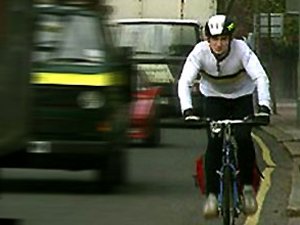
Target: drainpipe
298,76
182,9
141,10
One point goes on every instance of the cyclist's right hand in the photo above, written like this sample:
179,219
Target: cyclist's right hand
189,115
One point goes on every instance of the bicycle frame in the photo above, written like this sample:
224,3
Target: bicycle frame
228,197
229,201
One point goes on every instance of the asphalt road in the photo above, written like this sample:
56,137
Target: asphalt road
160,189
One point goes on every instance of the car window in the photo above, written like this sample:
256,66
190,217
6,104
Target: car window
156,38
68,38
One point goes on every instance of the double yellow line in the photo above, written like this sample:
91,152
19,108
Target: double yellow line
266,183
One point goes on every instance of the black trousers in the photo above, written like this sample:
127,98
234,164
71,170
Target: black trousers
222,108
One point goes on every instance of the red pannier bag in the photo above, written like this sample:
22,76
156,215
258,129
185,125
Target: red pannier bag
199,177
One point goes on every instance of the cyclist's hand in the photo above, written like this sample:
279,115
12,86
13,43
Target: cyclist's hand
263,110
263,114
189,115
188,112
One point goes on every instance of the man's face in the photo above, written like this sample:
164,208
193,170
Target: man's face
219,44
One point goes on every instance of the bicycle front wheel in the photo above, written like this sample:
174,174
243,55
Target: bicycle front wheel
228,201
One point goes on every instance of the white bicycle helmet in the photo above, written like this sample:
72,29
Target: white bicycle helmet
219,25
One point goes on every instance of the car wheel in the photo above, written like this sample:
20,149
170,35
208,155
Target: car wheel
154,138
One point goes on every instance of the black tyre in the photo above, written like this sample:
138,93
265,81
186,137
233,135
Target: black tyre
227,203
155,138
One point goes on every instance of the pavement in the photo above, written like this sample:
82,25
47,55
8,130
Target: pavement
285,127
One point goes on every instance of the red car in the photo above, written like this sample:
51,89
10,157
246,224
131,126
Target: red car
144,120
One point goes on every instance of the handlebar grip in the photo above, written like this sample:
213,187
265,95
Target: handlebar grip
192,118
262,119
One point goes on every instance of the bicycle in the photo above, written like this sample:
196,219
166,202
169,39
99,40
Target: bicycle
229,197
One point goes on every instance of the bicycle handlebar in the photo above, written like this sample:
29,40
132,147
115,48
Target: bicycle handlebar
253,120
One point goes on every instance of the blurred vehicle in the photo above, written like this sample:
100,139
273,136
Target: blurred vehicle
81,94
15,49
144,117
160,47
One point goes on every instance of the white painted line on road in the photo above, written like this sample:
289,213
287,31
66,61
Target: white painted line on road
265,184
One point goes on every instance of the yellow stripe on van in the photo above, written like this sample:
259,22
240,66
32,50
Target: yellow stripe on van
101,79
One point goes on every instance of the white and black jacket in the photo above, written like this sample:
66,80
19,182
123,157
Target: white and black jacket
236,75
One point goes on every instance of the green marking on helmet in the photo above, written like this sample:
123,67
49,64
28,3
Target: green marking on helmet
230,26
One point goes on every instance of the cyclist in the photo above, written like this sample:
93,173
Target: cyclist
231,76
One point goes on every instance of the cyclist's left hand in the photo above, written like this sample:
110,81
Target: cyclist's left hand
263,110
263,114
